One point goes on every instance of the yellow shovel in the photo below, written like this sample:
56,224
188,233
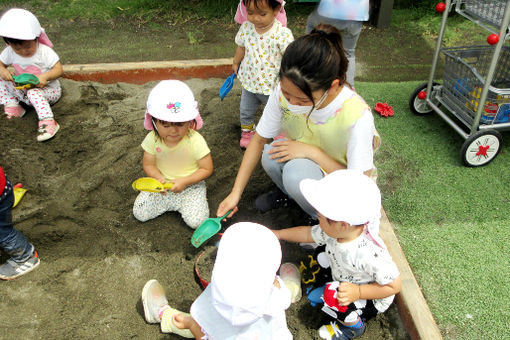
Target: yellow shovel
18,191
151,185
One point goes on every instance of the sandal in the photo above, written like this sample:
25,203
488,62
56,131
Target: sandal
14,110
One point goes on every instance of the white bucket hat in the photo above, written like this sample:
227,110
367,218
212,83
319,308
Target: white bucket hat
21,24
171,101
347,196
241,289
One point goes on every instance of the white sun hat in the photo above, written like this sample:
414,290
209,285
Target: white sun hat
241,298
171,101
347,196
21,24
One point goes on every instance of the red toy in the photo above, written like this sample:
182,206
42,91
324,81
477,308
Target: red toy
384,109
440,7
493,39
331,305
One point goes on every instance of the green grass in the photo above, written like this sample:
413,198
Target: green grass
452,221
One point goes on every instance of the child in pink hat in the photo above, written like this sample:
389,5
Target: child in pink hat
174,152
261,41
29,51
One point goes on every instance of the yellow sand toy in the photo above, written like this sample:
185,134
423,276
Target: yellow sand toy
18,191
151,185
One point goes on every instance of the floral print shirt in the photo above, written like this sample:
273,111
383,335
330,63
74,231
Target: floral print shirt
263,54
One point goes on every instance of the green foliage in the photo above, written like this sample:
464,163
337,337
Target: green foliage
415,4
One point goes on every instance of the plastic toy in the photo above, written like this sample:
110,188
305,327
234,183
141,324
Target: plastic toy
18,191
440,7
384,109
331,305
315,295
227,86
207,229
151,185
25,81
493,39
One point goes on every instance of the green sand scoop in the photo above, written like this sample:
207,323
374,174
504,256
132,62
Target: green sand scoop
207,229
25,81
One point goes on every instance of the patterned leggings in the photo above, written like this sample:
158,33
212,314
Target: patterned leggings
191,203
39,98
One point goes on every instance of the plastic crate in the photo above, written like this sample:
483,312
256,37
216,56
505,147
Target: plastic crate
465,72
487,11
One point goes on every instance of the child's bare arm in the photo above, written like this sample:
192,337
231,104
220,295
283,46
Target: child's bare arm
187,322
4,73
350,292
205,169
150,168
296,234
55,72
238,57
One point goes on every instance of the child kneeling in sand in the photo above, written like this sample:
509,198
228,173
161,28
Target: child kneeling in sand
174,152
348,205
245,299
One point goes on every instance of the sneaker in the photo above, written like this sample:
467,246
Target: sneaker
11,269
47,129
246,136
14,110
271,200
337,331
168,326
153,299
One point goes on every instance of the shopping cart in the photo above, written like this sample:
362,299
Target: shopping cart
475,93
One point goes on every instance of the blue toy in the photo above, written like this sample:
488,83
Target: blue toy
227,86
315,295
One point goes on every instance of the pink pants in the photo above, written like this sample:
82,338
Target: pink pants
39,98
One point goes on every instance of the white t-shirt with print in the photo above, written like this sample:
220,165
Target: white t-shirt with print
360,261
262,56
360,153
42,61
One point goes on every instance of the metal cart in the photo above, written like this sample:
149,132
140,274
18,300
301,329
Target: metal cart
475,92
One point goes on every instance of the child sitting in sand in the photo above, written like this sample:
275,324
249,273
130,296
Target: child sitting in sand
174,152
348,205
261,39
245,299
29,51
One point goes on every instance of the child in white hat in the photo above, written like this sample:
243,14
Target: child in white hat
29,51
348,205
174,152
245,299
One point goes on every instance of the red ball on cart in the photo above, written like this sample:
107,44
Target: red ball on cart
440,7
493,39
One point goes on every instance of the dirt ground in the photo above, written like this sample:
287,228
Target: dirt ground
95,257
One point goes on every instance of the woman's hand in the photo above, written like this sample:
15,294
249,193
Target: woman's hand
288,149
347,293
229,203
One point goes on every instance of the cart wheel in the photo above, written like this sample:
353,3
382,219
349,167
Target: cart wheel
481,148
419,106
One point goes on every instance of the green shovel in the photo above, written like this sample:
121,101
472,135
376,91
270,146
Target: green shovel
207,229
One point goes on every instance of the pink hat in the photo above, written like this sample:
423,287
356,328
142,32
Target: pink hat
241,15
21,24
171,101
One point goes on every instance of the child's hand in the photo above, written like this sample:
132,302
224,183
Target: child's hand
182,321
5,74
178,185
43,82
235,67
347,293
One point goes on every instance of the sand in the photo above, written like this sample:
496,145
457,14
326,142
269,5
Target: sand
95,257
